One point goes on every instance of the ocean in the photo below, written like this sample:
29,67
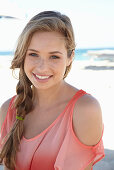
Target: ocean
82,54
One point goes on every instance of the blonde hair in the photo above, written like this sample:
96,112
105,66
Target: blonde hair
44,21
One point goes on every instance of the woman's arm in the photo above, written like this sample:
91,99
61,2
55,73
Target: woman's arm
5,168
87,121
3,113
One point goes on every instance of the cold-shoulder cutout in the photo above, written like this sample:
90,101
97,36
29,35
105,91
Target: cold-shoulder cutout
87,120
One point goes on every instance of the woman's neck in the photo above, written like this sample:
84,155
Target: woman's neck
48,97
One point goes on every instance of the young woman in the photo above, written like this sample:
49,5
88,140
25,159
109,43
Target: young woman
49,124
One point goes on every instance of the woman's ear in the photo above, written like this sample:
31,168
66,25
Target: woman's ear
73,54
71,58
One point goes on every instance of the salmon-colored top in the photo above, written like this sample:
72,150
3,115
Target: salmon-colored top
57,147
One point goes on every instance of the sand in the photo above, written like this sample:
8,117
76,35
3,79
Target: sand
96,78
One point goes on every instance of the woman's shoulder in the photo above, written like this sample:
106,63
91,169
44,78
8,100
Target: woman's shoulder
3,111
87,120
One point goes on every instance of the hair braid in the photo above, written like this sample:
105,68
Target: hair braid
23,105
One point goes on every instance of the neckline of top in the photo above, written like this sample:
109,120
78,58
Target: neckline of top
53,123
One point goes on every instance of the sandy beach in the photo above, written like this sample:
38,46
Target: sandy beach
96,78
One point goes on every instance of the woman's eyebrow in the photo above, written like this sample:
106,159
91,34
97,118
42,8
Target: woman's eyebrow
33,50
52,52
55,52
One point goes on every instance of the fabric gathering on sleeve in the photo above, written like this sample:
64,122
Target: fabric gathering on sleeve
75,155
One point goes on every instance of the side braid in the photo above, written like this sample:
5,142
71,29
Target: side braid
23,105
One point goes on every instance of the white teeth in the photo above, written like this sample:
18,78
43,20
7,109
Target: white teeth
42,77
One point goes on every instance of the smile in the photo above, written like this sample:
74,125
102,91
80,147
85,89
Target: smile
42,78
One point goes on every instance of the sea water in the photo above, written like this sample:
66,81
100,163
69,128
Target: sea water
82,54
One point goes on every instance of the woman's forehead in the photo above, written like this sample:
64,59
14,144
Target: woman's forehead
48,34
47,39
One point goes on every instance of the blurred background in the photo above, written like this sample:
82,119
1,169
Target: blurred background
93,67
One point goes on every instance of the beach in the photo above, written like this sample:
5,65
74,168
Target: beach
96,78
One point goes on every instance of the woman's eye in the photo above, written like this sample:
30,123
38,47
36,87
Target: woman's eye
33,54
55,57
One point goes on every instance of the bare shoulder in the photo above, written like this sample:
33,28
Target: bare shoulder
3,111
87,120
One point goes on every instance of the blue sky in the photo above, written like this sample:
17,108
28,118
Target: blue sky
93,20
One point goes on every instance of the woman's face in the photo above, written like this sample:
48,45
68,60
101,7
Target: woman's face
46,59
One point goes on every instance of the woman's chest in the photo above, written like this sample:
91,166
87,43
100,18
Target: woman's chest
36,124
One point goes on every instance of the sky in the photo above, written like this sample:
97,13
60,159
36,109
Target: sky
93,20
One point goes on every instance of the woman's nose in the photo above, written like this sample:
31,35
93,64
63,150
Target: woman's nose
42,64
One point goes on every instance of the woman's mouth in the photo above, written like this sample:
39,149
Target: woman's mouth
42,78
